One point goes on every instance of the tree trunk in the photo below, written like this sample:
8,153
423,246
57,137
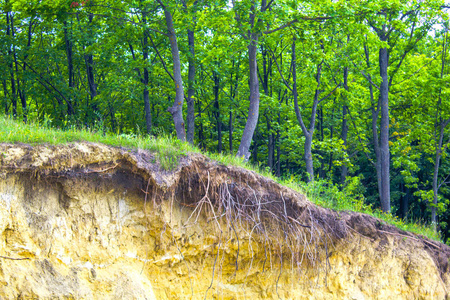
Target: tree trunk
375,114
190,118
322,138
148,113
308,157
437,161
233,88
217,112
438,146
270,145
230,135
435,190
278,173
376,146
177,108
253,111
5,95
20,90
308,133
265,77
344,132
404,201
385,197
200,131
89,61
69,54
9,26
255,147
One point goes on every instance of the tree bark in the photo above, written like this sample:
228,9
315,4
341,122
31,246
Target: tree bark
217,112
9,26
191,90
308,133
233,89
375,115
385,196
322,138
404,203
89,61
308,157
5,95
20,90
177,108
230,135
69,54
437,161
439,150
376,145
253,112
266,73
278,142
270,145
145,94
344,132
255,146
190,117
148,113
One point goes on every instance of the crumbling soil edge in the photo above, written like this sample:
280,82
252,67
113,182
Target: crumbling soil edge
188,182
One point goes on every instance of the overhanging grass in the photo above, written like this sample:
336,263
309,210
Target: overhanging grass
168,150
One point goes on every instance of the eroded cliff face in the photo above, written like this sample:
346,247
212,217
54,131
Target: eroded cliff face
87,221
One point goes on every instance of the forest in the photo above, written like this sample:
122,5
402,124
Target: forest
353,94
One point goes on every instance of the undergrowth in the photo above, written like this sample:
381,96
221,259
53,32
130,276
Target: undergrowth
328,195
168,150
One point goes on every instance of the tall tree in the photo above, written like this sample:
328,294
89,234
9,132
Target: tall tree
177,108
386,21
251,35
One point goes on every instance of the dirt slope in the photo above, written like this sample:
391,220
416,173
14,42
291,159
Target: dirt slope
87,221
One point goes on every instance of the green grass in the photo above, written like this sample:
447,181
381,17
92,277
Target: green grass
168,150
350,198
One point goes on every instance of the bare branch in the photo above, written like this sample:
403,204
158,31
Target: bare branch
279,70
370,80
268,5
281,27
134,58
330,93
160,58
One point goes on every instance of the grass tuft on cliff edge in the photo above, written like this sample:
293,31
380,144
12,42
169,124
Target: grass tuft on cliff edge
169,149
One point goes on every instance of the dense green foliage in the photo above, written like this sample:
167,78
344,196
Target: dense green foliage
112,67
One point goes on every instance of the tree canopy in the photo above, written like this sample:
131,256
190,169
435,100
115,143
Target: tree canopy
352,93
